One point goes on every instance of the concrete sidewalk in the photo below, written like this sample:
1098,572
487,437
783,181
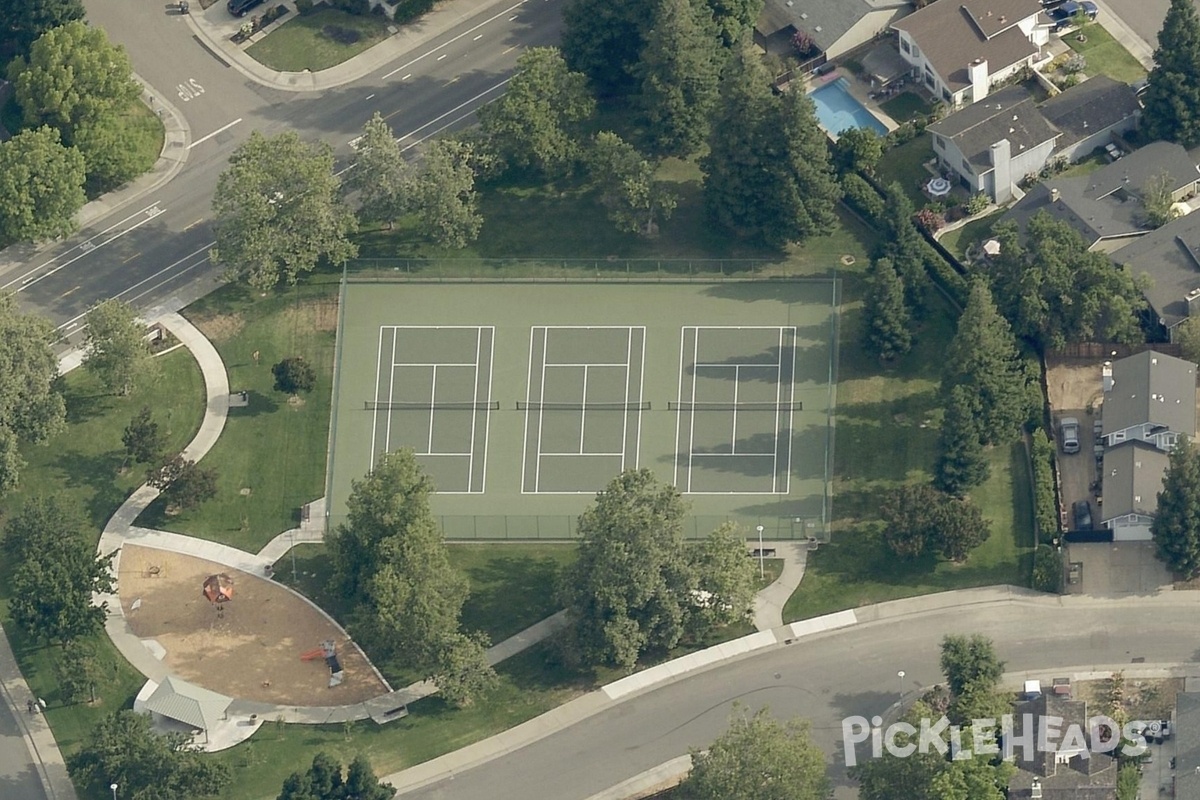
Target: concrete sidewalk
769,602
1138,47
215,26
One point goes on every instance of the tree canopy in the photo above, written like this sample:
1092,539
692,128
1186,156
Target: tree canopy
1176,526
626,182
961,464
116,350
279,211
325,780
41,186
380,174
294,375
143,439
184,483
970,660
918,519
759,757
888,323
444,196
1172,96
26,20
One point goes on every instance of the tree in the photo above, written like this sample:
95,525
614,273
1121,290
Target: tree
602,39
1176,527
983,356
461,670
767,174
761,758
890,777
858,150
678,71
324,781
39,523
380,174
961,528
41,186
970,660
627,185
144,441
183,483
971,779
904,246
116,350
735,18
537,123
123,749
1129,779
1172,96
1047,569
294,375
726,581
888,324
961,464
1187,336
11,462
919,519
72,77
78,671
53,587
1157,200
107,144
26,20
629,589
279,210
31,406
444,194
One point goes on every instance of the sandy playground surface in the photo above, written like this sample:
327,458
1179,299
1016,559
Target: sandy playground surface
253,651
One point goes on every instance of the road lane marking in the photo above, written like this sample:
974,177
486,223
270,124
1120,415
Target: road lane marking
406,77
368,97
214,133
509,50
448,113
132,257
67,292
443,55
194,224
452,80
477,38
513,17
455,39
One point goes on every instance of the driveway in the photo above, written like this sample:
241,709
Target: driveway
1116,569
1145,17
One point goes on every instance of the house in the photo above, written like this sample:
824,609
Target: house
1151,398
835,27
993,144
1187,746
1106,207
1170,257
1089,113
1068,772
1133,476
959,49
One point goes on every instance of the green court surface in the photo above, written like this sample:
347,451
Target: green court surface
522,400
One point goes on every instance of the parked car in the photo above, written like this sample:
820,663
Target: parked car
1064,16
239,8
1070,435
1082,513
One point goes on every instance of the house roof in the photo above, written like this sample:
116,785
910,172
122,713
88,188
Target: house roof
1008,114
1187,746
1135,170
955,33
1151,387
187,703
1095,218
1133,475
1170,256
824,21
1090,106
1081,778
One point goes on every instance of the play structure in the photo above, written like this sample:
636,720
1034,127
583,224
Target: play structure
327,651
219,591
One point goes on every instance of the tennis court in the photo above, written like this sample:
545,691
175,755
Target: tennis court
522,401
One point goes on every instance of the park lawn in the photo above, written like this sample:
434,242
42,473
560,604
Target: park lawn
905,164
1105,55
512,585
270,459
906,106
321,39
975,231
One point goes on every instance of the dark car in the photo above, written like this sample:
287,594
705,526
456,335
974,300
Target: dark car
1082,511
239,7
1064,15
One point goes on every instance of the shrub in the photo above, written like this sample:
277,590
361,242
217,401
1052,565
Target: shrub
803,44
1047,569
356,7
977,203
408,10
853,67
862,197
304,7
1074,64
930,220
1045,510
903,134
293,375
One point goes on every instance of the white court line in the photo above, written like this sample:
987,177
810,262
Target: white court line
375,417
625,416
220,130
597,364
727,364
115,225
537,473
583,411
528,415
433,409
586,455
455,39
736,380
387,441
787,487
487,414
778,408
637,458
692,431
431,327
456,455
434,364
474,412
679,394
739,455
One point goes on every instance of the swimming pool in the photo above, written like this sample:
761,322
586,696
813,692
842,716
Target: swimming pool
839,111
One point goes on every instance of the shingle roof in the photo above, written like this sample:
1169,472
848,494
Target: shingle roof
1090,106
1135,170
1170,256
187,703
1151,387
1008,114
1094,218
953,33
1092,778
825,21
1132,479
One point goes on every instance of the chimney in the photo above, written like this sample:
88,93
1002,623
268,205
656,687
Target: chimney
1054,195
1001,156
1192,299
977,73
1035,791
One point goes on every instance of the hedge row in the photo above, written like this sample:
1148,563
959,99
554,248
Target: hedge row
1045,509
1047,569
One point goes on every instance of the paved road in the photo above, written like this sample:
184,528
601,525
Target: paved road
1144,16
825,679
156,248
18,776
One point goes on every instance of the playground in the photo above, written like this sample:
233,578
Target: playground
521,401
250,646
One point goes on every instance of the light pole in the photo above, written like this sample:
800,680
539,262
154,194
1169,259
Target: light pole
900,675
762,568
113,786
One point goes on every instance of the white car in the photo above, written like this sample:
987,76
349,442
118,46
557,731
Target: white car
1070,434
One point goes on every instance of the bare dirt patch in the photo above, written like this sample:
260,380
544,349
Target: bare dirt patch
220,327
253,651
319,315
1074,384
1143,698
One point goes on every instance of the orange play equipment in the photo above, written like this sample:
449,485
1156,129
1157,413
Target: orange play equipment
313,655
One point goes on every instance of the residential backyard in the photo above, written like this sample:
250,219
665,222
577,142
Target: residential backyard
1105,55
906,165
318,40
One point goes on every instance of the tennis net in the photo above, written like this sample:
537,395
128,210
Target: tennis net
370,405
735,406
524,406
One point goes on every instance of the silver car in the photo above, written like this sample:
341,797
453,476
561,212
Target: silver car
1070,434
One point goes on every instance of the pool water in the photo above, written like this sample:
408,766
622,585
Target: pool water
839,111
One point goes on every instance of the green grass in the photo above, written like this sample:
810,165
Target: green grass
318,40
1105,55
904,164
512,585
275,448
1097,159
906,106
973,232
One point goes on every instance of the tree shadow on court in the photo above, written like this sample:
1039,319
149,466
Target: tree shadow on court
259,404
818,291
810,364
508,594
